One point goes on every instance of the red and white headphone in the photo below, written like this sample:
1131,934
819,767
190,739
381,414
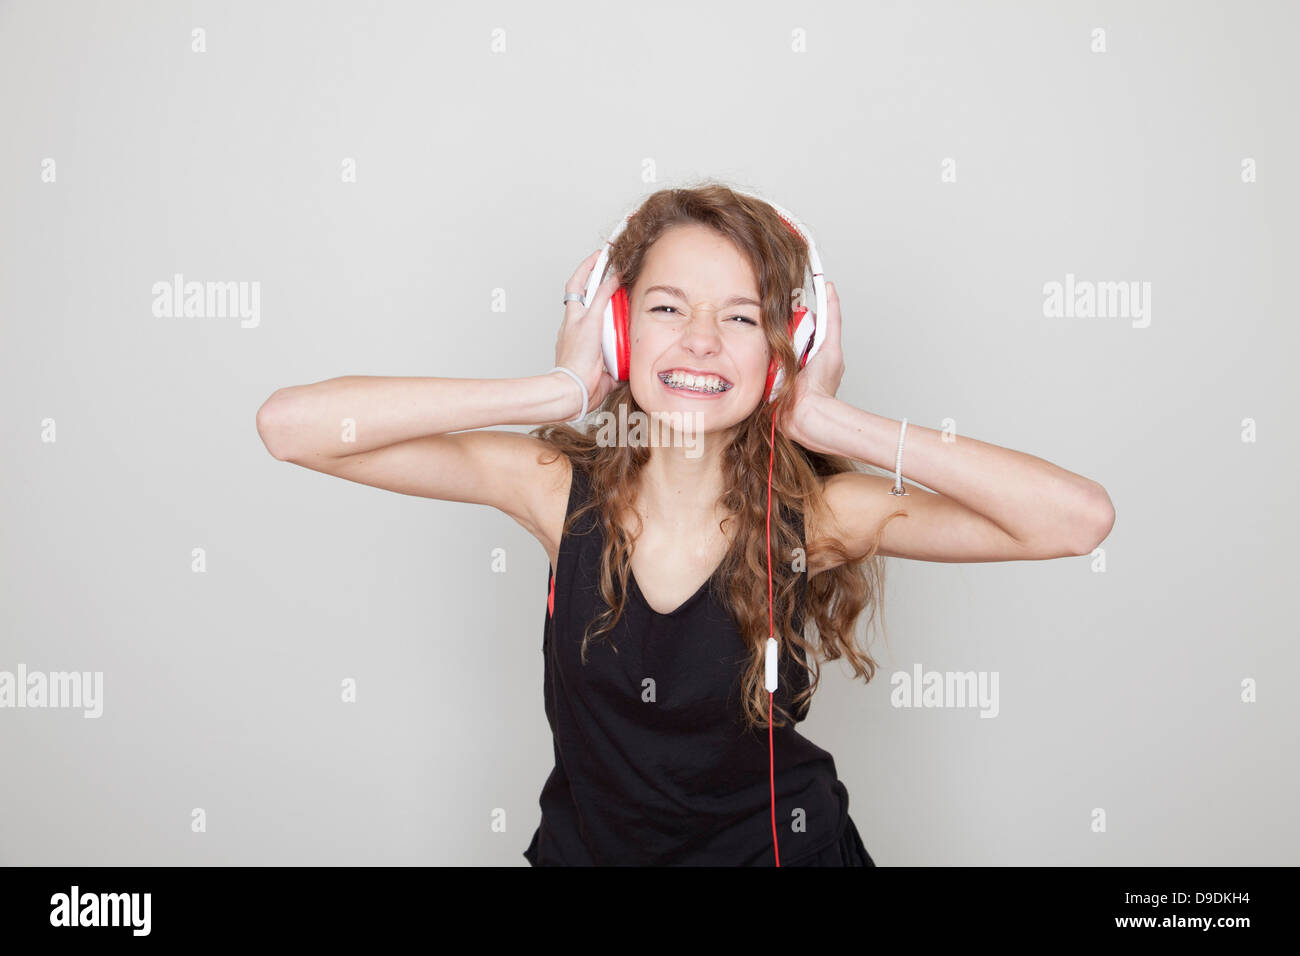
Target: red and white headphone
807,334
805,330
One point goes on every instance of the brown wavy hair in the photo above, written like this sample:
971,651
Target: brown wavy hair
836,597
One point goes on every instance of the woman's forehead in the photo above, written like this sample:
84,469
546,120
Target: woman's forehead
698,263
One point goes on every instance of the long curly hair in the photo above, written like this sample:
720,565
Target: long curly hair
834,598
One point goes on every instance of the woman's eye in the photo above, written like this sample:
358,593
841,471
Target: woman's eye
743,318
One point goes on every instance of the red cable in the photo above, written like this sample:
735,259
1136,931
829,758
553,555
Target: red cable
772,776
771,631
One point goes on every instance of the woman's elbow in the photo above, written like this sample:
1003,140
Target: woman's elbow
271,424
1102,521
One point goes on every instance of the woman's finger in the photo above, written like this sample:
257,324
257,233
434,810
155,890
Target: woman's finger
832,316
580,274
604,292
578,284
599,299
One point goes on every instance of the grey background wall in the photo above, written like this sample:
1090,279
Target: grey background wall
493,147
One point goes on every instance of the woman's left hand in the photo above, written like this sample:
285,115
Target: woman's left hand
820,378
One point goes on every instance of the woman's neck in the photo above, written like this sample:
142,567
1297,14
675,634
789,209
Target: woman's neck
681,490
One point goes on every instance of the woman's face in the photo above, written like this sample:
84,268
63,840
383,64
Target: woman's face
695,311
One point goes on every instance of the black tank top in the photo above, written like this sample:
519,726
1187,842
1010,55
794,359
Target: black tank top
678,779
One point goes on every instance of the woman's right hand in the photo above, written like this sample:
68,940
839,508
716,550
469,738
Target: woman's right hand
577,346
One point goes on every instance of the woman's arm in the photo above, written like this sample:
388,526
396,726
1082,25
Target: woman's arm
989,503
415,435
347,416
400,445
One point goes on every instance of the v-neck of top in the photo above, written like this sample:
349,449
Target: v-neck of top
636,588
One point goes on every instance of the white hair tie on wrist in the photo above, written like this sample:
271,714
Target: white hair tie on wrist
898,488
573,375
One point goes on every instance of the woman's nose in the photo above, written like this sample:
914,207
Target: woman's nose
702,328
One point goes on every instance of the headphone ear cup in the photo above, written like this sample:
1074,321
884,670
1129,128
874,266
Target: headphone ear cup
614,338
775,374
621,310
774,377
802,327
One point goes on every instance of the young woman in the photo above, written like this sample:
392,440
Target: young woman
657,613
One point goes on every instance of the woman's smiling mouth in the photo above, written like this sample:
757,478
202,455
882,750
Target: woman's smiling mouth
697,385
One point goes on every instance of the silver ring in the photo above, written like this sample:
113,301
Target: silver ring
573,297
